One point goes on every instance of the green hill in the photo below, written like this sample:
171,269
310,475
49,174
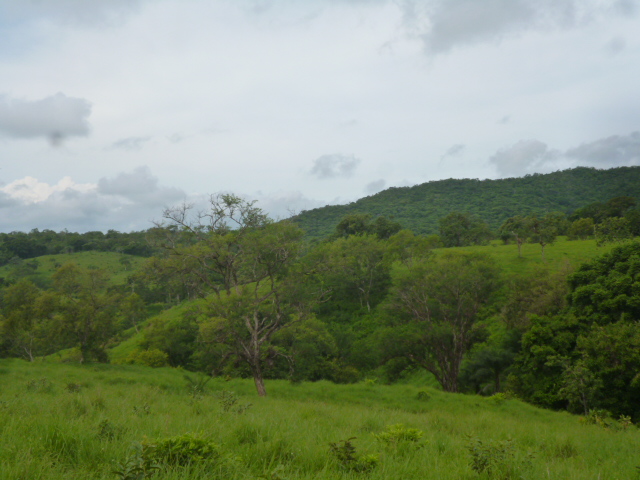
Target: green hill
62,421
40,269
419,208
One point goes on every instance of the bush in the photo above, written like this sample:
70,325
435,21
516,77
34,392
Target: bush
151,358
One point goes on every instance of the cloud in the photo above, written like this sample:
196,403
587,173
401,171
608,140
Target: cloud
334,166
454,151
68,12
526,156
608,152
285,204
446,24
54,117
375,186
129,201
130,143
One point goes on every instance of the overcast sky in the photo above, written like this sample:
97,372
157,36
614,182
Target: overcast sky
111,110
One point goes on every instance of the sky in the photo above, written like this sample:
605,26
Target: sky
112,111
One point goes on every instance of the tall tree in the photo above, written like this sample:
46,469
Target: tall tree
461,229
245,265
438,307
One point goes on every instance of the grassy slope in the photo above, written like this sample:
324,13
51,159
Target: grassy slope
50,433
109,261
562,255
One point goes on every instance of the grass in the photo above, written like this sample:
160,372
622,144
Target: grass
561,255
109,261
63,421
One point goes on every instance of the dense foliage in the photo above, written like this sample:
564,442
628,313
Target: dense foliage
233,294
419,208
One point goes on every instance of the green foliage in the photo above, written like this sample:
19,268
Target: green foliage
230,403
401,439
138,465
420,207
435,309
613,230
497,458
345,453
151,358
462,229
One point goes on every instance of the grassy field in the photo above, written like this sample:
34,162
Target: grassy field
109,261
60,421
562,254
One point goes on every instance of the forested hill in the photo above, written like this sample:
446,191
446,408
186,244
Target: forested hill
420,207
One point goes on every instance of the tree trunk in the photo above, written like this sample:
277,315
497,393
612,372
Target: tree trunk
259,381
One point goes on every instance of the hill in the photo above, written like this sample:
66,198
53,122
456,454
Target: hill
62,421
419,208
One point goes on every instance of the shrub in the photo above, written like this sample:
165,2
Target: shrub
345,453
151,358
400,437
496,458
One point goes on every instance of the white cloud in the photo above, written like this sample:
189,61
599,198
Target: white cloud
54,117
130,143
446,24
334,166
127,202
612,151
375,186
526,156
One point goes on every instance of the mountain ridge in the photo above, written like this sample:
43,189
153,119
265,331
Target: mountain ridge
419,207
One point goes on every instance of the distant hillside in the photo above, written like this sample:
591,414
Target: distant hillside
420,207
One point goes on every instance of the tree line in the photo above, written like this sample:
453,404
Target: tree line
372,299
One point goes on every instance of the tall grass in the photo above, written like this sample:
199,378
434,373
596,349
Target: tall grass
61,421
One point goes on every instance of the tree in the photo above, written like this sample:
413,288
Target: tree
582,228
461,229
517,227
361,224
438,306
26,325
245,265
612,230
86,311
544,230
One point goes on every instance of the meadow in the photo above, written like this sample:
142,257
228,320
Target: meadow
69,421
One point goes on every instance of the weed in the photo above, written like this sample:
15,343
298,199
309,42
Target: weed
141,410
497,458
184,450
42,386
398,436
625,422
108,431
345,453
73,387
498,398
599,417
229,402
423,396
138,465
197,386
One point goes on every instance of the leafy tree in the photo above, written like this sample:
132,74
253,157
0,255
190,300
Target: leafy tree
612,230
86,311
438,306
517,227
26,321
544,230
582,228
461,229
247,262
361,224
